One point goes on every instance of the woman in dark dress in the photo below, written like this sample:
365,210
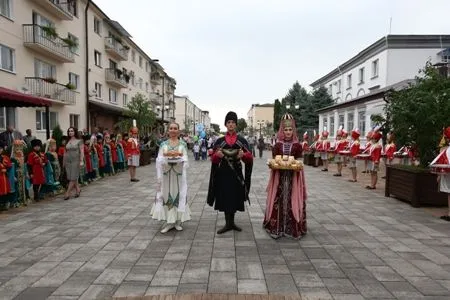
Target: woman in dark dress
286,199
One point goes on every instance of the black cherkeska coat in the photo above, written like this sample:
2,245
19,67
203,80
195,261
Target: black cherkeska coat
229,187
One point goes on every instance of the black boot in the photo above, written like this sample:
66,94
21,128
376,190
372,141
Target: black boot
234,226
227,226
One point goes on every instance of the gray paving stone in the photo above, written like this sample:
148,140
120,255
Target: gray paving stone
223,264
250,270
281,284
222,282
192,288
252,286
58,275
195,272
384,273
97,291
402,289
428,286
339,286
131,289
40,293
112,276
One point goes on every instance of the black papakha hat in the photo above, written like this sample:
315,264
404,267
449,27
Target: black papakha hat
35,143
231,115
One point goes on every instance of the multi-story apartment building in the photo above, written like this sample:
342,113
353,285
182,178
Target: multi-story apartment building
259,117
358,86
82,61
188,115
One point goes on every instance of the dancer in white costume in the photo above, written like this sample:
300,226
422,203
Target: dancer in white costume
171,191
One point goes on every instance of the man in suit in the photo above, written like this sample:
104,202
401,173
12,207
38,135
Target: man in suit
9,136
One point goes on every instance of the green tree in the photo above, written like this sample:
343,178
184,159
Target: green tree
57,134
139,109
319,98
276,114
216,127
418,113
297,95
241,125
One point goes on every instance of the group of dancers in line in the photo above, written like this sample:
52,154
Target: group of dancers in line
77,160
344,151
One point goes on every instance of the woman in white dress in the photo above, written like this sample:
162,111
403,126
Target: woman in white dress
171,192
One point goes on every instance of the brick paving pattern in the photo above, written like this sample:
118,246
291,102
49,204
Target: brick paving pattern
360,245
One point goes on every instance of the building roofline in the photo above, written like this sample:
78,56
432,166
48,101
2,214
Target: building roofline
391,41
370,96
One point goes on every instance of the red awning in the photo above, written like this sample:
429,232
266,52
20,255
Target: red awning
11,98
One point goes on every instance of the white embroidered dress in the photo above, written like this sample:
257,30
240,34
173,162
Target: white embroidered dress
170,203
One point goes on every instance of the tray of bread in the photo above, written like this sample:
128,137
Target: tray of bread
172,154
285,162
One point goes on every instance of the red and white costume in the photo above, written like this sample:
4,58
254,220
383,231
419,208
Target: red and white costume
444,159
375,152
354,148
305,145
132,150
325,145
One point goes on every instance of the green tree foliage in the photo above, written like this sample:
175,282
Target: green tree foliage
319,99
418,114
276,115
57,134
140,110
216,127
241,125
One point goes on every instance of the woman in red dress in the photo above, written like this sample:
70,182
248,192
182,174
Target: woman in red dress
286,192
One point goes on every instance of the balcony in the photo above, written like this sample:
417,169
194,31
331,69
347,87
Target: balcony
155,98
114,48
114,77
155,79
63,9
48,88
38,38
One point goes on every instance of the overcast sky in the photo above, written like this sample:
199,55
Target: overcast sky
226,55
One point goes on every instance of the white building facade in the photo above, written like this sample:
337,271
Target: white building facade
388,63
188,115
85,64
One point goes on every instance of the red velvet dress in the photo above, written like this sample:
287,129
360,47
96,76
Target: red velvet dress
282,221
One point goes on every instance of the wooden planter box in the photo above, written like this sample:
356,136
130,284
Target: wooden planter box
309,160
414,185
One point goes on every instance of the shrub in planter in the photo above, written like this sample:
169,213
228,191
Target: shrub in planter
50,31
70,86
50,80
417,115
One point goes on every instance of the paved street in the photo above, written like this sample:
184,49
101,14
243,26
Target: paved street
360,245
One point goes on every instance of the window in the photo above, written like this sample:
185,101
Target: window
97,58
97,26
125,99
339,86
146,66
140,61
98,90
362,122
140,83
133,56
375,68
350,121
330,89
74,120
146,87
341,121
44,70
113,96
325,122
361,75
132,80
5,8
7,117
7,58
74,79
41,120
349,81
331,126
74,47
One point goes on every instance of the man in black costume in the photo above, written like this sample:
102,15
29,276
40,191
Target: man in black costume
228,187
